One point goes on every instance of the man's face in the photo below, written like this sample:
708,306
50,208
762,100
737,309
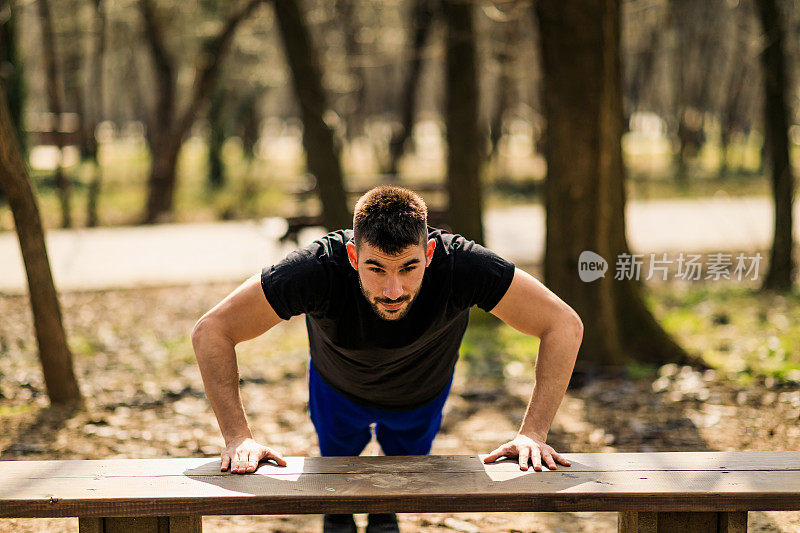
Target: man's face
390,283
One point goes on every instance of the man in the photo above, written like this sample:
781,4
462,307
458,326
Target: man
386,308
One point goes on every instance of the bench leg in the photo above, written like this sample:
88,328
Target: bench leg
677,522
147,524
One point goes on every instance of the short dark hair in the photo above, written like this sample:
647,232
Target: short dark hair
390,218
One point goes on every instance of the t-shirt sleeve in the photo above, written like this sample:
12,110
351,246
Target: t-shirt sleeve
296,285
480,276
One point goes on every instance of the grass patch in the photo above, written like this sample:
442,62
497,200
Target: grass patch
16,410
737,330
745,334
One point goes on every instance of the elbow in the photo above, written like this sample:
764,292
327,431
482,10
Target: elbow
575,326
203,330
198,332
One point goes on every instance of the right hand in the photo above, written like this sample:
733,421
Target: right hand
243,454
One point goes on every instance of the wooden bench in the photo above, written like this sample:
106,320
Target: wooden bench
295,224
653,492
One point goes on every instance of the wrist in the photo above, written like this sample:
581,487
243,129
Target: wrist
240,437
534,434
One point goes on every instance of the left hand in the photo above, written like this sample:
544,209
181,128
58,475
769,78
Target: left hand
528,449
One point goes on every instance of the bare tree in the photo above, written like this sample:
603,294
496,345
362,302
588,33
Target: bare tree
504,91
50,55
422,16
11,67
465,154
96,88
72,45
322,154
168,126
776,125
356,110
216,138
54,353
584,193
740,99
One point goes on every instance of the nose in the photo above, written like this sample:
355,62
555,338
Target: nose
393,288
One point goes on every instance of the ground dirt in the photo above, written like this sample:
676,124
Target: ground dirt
144,398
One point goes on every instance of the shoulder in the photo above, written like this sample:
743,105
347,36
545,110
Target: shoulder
461,251
333,246
329,251
307,278
479,275
446,243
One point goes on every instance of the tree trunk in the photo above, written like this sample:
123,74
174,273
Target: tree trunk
54,354
50,55
505,83
465,153
776,125
422,15
322,154
584,193
355,114
161,184
72,47
248,121
167,129
644,66
92,218
731,108
11,79
216,137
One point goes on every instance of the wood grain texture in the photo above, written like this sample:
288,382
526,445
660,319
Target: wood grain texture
681,522
90,525
596,482
733,522
147,524
581,462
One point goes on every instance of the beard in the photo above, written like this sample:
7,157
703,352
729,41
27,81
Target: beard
383,314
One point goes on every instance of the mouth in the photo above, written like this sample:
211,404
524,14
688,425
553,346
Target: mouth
392,307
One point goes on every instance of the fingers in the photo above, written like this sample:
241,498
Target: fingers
238,463
245,460
529,451
561,460
548,460
524,457
495,455
252,462
536,456
275,456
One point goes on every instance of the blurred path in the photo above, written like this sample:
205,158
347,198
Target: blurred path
173,254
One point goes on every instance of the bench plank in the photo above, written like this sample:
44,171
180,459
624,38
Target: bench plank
685,484
597,482
583,462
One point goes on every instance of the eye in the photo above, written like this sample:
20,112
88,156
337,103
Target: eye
408,269
376,270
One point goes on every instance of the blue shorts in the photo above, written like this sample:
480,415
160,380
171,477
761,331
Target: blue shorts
343,426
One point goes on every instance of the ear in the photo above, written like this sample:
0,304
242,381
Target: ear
429,251
352,255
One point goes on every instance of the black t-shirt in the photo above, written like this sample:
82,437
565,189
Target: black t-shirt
400,364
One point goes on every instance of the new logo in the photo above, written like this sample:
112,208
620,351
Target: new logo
591,266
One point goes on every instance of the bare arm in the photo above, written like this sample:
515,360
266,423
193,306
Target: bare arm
242,315
531,308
